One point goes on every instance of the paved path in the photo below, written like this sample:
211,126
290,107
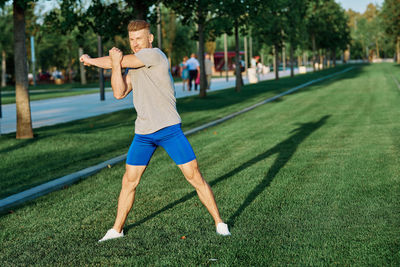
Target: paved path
65,109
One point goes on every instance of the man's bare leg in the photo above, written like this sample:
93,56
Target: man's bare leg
130,181
126,198
192,174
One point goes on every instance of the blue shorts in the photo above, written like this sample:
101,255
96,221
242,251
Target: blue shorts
170,138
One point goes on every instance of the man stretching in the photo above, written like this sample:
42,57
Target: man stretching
158,122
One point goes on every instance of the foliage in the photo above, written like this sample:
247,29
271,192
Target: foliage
295,29
368,33
391,17
328,22
272,16
6,28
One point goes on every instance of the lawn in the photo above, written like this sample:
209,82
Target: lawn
312,179
65,148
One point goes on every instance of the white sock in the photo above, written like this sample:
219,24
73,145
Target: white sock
222,229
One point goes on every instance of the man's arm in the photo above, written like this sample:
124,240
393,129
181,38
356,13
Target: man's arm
121,85
128,61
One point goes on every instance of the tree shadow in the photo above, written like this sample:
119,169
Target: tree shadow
285,151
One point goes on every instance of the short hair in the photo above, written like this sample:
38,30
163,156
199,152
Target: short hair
137,25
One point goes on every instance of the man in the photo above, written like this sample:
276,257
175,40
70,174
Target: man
193,66
157,123
208,68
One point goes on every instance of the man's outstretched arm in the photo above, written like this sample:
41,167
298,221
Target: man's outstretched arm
128,61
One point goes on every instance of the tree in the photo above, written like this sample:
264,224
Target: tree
234,14
24,120
137,9
6,28
327,26
202,13
374,25
268,20
314,22
169,29
336,31
70,19
295,28
391,20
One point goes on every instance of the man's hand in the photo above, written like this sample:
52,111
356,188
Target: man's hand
116,56
85,59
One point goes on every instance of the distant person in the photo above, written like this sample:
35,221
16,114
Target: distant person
253,62
242,64
259,67
157,124
184,72
56,74
208,69
194,70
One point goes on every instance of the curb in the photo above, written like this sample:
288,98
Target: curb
59,183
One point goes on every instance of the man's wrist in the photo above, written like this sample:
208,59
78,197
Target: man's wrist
116,65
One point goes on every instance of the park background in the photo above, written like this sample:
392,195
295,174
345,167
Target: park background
314,183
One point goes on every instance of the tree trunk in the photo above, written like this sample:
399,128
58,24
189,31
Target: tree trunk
284,57
273,58
291,61
398,49
159,35
377,48
82,68
328,57
299,61
203,81
313,51
334,56
320,59
276,62
245,57
24,120
239,80
226,65
3,69
101,71
140,9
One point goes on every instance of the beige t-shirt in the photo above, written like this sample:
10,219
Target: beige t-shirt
153,92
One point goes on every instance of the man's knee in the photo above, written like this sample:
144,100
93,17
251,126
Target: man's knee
192,173
132,176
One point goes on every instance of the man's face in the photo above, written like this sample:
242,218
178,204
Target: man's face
140,39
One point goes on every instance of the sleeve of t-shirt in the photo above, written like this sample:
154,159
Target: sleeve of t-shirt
149,56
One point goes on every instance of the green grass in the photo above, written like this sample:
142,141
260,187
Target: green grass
309,180
65,148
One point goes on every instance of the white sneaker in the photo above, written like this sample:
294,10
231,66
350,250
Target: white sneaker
111,234
222,229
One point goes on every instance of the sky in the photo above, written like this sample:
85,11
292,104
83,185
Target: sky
358,5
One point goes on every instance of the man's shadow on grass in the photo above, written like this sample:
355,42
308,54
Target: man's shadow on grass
285,151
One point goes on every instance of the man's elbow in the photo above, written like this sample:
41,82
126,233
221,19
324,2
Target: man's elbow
119,96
